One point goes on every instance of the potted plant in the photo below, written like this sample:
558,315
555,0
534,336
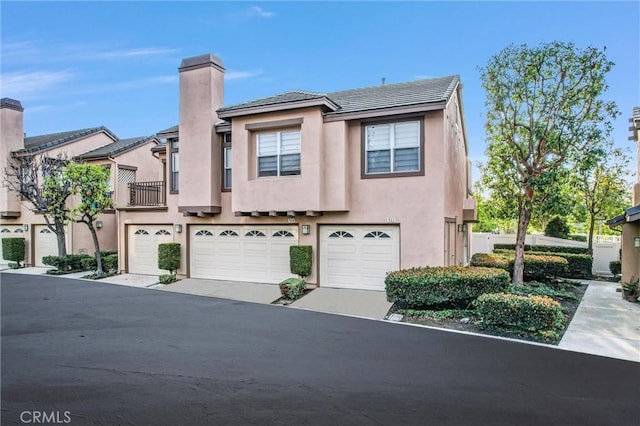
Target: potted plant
630,289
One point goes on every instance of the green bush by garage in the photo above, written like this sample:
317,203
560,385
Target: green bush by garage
536,266
454,286
13,250
578,265
528,313
546,249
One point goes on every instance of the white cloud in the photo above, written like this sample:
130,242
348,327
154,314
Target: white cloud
237,75
134,53
25,85
260,12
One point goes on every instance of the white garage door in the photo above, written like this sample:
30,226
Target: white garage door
45,243
358,257
142,249
9,231
242,253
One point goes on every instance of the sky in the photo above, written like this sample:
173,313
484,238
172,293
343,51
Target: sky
76,65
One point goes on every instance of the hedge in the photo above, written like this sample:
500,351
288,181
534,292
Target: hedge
292,288
109,262
451,285
536,266
69,263
546,249
13,249
615,266
169,257
300,258
578,266
530,313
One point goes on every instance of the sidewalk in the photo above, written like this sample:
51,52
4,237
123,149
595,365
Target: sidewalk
604,324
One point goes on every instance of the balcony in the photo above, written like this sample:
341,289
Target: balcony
147,194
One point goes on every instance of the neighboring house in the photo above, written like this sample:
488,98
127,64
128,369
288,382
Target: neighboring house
630,219
374,179
124,157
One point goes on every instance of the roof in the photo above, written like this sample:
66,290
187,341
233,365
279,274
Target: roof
631,214
117,147
172,129
38,143
419,92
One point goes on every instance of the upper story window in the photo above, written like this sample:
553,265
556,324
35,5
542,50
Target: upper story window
279,153
226,160
174,165
392,148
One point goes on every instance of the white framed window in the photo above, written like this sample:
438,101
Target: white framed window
392,147
227,168
279,153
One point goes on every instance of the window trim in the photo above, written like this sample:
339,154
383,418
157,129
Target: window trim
226,145
278,152
363,147
173,150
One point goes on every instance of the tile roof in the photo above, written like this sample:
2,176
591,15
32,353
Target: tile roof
171,129
41,142
368,98
117,147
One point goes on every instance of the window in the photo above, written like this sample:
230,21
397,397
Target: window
282,234
341,234
175,168
163,232
255,233
228,233
279,153
204,233
377,234
226,160
392,148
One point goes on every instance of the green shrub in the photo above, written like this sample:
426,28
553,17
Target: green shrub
13,249
490,260
530,313
68,263
536,266
108,252
169,257
578,265
581,238
615,267
110,262
167,279
292,288
300,258
453,285
557,227
546,249
89,264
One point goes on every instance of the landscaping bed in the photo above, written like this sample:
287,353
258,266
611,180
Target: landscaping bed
566,292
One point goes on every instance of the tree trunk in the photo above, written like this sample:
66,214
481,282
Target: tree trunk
592,226
96,244
518,265
60,238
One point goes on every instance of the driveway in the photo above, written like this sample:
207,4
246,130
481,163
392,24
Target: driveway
122,355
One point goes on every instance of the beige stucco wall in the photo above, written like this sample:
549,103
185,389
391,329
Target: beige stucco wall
331,158
11,139
630,254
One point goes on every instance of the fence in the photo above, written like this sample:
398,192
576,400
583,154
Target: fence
605,247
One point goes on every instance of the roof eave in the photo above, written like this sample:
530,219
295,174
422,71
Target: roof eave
27,152
384,112
283,106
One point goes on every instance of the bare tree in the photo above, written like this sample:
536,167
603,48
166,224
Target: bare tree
39,181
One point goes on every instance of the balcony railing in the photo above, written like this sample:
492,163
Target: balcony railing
147,193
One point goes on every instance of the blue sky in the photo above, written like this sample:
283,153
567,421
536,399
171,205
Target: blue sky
76,65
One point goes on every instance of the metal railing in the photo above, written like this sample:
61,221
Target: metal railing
147,193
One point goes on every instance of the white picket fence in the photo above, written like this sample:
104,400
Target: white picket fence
605,247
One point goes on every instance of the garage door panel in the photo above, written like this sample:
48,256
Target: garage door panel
358,256
244,253
142,247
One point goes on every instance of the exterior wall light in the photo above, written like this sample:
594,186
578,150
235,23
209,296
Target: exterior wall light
177,227
636,242
462,227
25,227
306,229
99,224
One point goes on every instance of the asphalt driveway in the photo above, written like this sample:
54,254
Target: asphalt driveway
120,355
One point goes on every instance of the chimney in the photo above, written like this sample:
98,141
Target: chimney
11,139
200,156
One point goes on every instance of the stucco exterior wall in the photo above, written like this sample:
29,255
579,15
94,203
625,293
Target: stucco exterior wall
11,137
